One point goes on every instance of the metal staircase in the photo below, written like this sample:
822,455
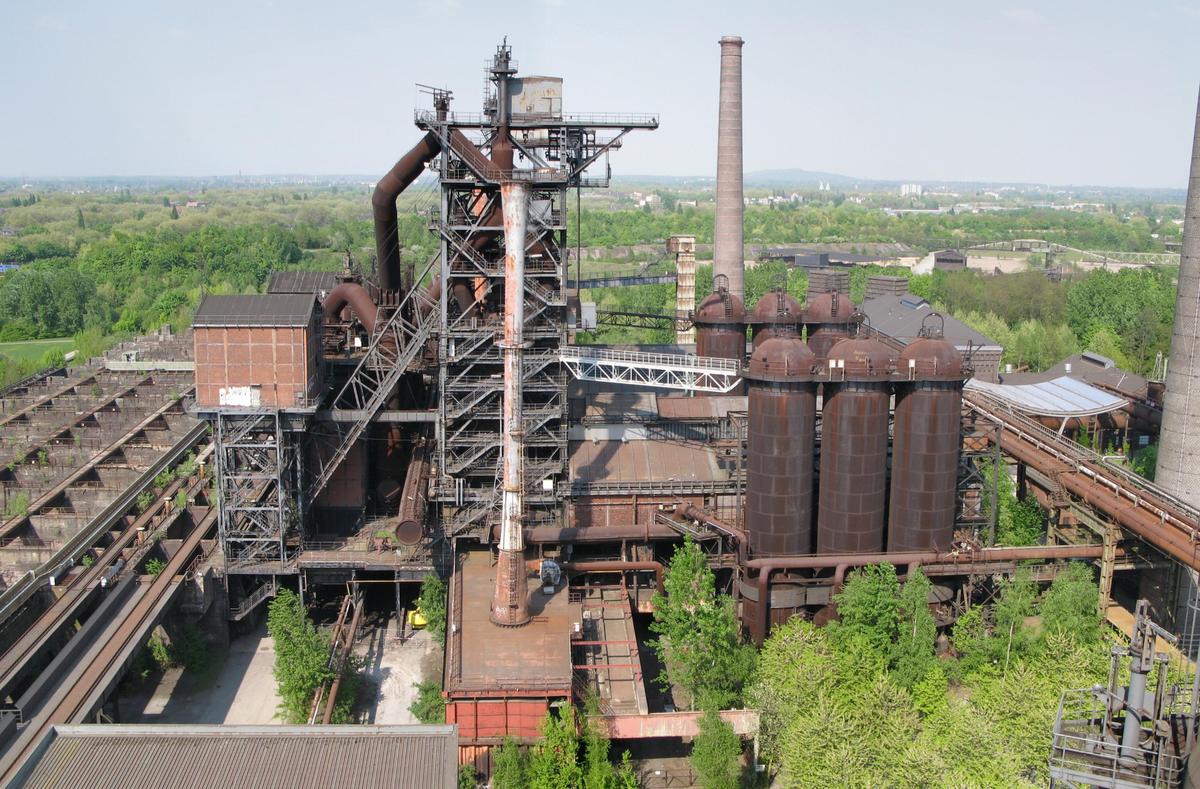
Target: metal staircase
393,348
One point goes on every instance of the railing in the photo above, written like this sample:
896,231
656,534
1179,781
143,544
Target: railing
1082,753
650,120
663,370
268,589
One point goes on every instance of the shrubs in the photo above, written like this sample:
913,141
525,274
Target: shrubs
717,753
554,762
834,705
428,706
432,603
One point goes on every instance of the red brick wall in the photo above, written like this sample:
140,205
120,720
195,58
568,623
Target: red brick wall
284,363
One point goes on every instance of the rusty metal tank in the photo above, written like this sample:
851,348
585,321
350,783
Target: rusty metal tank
721,326
925,445
854,443
828,318
777,311
782,411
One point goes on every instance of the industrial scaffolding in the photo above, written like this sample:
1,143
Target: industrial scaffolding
559,149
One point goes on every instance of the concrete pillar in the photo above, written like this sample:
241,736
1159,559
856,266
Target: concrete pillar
1179,451
728,250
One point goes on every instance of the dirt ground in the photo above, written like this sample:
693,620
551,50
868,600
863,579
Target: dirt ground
240,690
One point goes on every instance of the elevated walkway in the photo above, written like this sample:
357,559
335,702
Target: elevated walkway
682,372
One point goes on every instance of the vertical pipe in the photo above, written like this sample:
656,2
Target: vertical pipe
510,606
728,252
1179,454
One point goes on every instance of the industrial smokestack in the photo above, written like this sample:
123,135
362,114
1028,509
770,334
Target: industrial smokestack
510,602
728,253
1179,452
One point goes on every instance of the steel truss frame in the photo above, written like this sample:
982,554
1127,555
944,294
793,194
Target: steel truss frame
664,370
258,471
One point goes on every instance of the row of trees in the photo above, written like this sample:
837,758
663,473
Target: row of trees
851,223
869,701
1126,315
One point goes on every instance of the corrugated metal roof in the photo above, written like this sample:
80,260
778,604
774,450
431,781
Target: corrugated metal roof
891,315
274,309
248,757
302,281
1059,397
643,461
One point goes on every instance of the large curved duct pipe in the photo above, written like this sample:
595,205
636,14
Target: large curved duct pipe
357,298
383,207
617,567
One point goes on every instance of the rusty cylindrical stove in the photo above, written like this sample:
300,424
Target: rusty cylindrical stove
926,443
781,410
854,445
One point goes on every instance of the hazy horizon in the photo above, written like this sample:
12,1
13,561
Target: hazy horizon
1068,95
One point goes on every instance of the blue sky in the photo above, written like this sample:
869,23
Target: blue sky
1054,92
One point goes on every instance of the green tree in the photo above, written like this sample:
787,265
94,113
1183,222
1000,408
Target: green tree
716,753
869,608
699,636
432,602
554,761
1071,604
301,655
1017,595
509,766
912,655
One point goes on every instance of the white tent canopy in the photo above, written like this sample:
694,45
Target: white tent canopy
1061,397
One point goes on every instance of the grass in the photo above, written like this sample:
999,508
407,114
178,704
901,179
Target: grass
33,350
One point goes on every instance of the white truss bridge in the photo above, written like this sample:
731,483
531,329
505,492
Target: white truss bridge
662,370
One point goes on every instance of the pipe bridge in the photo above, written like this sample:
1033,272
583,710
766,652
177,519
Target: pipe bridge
1162,520
662,370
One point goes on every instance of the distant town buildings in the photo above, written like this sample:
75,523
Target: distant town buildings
911,190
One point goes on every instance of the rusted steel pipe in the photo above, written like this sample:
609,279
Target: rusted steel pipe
383,207
542,535
617,567
337,679
843,562
692,512
357,298
1019,442
510,603
1141,522
410,525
